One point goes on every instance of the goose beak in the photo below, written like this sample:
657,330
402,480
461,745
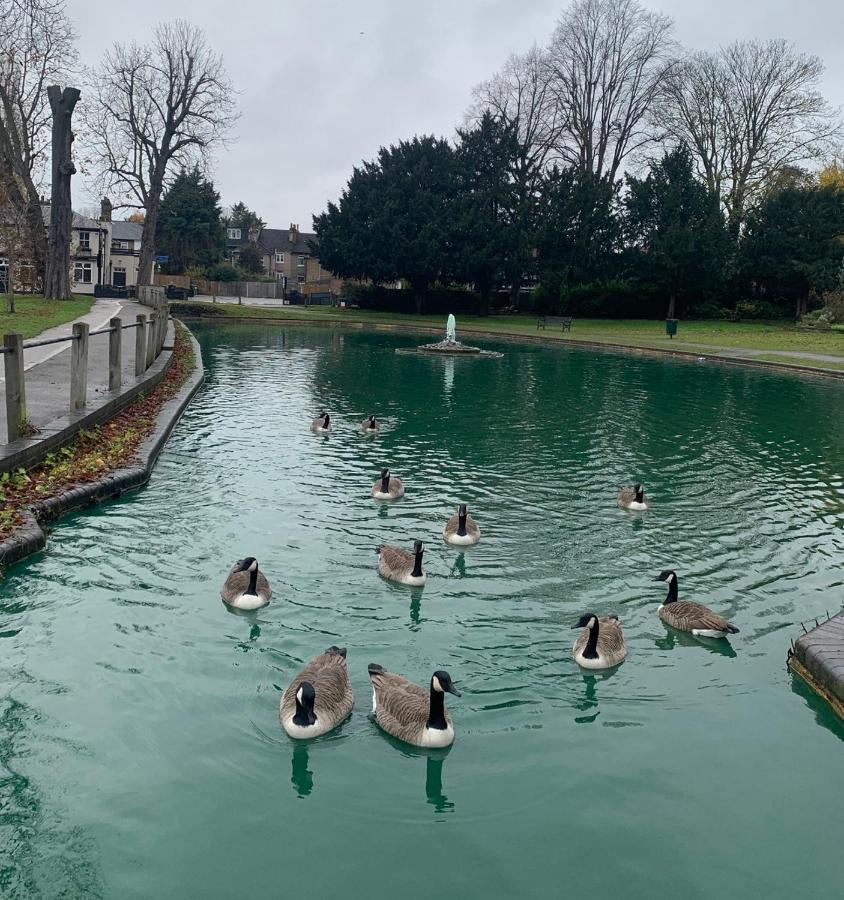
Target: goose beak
453,690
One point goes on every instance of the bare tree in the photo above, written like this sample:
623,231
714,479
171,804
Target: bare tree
608,59
157,108
747,112
36,49
520,96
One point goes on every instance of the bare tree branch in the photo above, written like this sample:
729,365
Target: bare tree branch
157,109
608,59
748,111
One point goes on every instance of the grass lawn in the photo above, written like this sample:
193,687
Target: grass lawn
35,314
706,336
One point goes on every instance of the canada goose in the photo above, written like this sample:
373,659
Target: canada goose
321,423
461,528
601,645
684,615
246,587
388,487
407,712
400,565
319,698
633,498
369,425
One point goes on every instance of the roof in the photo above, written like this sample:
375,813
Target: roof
79,221
273,239
126,231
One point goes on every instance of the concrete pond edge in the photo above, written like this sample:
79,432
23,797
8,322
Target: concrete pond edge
30,538
709,356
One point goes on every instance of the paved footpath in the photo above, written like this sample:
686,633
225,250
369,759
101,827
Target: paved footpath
47,368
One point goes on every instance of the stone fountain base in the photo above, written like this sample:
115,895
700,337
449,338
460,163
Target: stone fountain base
452,348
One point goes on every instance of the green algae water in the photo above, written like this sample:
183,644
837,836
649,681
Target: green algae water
140,750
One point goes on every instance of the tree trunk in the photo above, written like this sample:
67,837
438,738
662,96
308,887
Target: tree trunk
10,276
153,205
671,307
57,276
802,304
484,289
420,290
515,291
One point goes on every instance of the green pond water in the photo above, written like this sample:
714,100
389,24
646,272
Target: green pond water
140,750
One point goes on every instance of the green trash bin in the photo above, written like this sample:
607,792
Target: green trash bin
671,327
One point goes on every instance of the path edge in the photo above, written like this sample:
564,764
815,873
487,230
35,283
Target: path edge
30,538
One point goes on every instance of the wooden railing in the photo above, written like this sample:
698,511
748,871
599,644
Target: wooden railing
149,341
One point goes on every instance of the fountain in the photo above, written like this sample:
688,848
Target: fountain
450,346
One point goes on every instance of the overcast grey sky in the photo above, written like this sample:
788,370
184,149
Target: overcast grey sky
317,96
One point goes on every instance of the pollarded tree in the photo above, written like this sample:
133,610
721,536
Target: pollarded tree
675,228
36,50
156,108
486,226
396,218
189,229
794,244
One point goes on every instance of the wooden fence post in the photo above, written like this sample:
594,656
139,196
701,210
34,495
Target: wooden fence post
162,334
140,344
79,366
15,387
150,349
115,354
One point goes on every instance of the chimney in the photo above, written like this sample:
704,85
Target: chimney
294,233
105,210
253,234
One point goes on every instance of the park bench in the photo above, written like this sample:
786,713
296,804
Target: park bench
563,321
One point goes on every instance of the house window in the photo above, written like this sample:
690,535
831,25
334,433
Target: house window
234,234
279,276
119,245
301,262
84,240
300,279
82,272
279,258
118,278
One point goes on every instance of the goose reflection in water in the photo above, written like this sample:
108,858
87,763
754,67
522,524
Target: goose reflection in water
673,638
416,605
589,702
301,778
458,568
434,783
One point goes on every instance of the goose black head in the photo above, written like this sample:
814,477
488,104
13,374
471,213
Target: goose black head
639,491
305,697
250,564
666,575
326,418
385,473
372,421
462,511
587,620
418,548
441,681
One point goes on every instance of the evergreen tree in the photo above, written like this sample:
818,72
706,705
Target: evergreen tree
189,230
578,229
251,260
242,217
488,199
396,218
794,243
680,244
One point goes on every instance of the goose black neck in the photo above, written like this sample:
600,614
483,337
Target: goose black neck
672,591
253,582
461,524
385,484
417,566
436,716
304,715
590,651
640,495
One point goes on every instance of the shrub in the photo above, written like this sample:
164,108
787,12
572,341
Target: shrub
613,299
222,272
754,309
